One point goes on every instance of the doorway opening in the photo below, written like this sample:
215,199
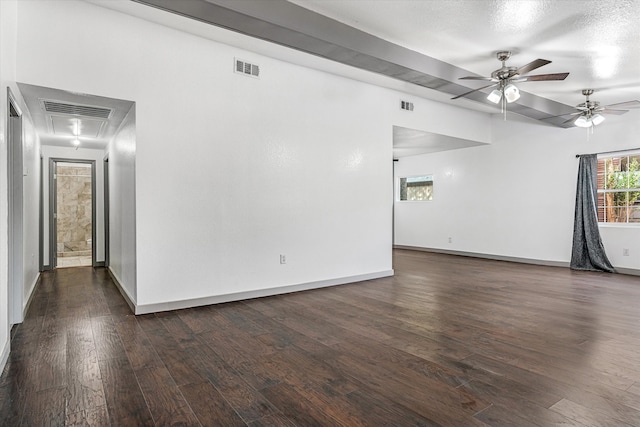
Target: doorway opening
73,213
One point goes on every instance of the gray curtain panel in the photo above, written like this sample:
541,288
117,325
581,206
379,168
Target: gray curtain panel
588,251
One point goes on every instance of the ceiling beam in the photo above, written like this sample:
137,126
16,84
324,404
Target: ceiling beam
287,24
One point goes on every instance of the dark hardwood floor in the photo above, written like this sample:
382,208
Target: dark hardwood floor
448,341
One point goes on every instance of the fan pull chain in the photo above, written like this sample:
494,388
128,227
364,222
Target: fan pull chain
503,107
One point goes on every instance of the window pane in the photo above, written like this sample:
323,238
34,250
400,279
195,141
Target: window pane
617,214
416,188
634,171
619,189
634,214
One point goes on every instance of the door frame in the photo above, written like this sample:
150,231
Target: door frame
53,208
15,187
105,175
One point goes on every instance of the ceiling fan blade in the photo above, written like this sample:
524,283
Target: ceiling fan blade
626,104
531,66
477,78
569,120
609,111
474,90
543,77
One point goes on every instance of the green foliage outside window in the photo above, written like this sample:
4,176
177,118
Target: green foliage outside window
619,189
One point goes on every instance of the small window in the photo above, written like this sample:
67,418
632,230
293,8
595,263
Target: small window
416,188
619,189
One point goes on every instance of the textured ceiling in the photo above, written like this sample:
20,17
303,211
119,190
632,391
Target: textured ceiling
595,41
598,42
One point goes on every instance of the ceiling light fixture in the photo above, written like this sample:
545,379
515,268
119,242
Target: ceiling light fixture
597,119
495,96
583,122
511,93
588,120
507,93
76,134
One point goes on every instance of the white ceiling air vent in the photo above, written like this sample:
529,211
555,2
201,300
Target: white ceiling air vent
57,107
406,105
246,68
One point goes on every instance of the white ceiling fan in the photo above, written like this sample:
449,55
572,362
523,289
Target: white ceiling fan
504,78
591,113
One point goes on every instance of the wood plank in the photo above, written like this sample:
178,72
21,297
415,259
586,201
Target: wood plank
125,402
245,400
298,409
586,416
91,418
446,341
106,338
46,407
273,420
210,406
183,368
166,403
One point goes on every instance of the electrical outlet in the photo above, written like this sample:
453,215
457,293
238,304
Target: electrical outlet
450,240
283,259
625,252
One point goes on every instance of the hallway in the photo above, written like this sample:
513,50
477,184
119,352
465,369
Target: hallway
447,341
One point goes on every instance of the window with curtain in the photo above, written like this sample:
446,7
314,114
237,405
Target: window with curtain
619,189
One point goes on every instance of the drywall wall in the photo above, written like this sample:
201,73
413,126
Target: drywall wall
31,204
8,37
122,205
514,198
231,171
49,152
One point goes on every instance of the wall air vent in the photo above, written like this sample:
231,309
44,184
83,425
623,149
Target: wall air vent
246,68
58,107
406,105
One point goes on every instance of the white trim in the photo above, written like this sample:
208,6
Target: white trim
486,256
131,302
627,152
620,270
31,293
629,271
4,356
259,293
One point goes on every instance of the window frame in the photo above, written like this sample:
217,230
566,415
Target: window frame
399,187
601,191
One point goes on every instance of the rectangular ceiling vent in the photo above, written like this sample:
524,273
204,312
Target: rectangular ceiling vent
406,105
57,107
246,68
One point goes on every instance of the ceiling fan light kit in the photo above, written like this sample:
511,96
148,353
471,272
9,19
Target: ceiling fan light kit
505,77
591,113
511,93
597,119
583,122
495,96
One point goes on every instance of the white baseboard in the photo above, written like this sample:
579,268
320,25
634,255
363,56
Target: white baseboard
4,356
486,256
621,270
27,303
629,271
131,302
218,299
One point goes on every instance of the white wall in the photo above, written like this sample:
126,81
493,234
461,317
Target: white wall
8,35
515,197
50,152
31,204
122,205
231,171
